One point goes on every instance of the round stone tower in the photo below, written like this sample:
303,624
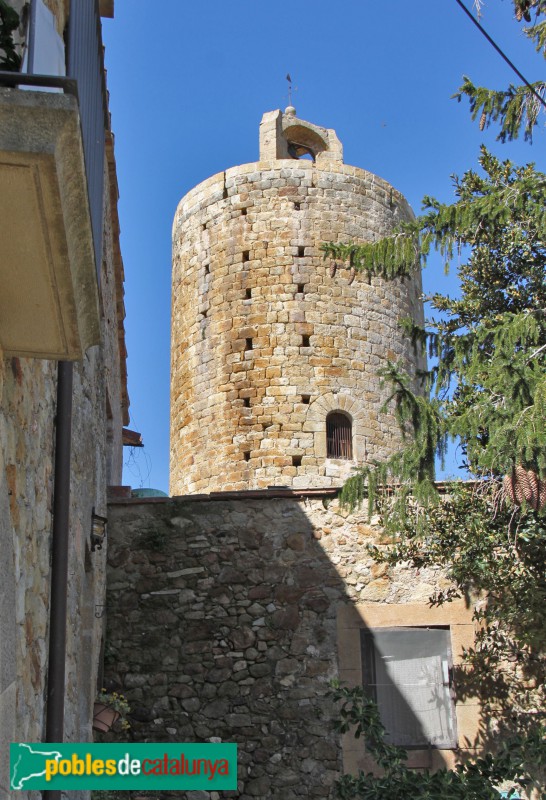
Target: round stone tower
275,352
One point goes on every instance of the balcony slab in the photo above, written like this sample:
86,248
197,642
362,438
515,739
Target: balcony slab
49,302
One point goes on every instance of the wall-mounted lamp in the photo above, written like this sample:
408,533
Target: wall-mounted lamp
98,531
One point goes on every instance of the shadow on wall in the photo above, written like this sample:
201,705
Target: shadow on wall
223,621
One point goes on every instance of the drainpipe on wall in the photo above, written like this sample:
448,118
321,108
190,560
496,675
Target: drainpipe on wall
59,563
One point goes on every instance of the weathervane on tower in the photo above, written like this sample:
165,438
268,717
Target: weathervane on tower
289,79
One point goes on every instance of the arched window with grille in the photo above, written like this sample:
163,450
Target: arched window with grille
339,435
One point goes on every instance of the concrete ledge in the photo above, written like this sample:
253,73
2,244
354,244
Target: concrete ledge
49,306
115,498
250,494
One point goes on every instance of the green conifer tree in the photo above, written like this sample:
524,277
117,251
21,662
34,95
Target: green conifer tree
10,59
487,388
518,107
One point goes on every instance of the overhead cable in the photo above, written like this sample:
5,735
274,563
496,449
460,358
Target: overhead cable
501,53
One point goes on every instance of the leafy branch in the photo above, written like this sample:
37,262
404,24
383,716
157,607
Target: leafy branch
477,780
518,107
9,22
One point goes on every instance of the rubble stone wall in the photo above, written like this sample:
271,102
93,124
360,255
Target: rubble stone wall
223,620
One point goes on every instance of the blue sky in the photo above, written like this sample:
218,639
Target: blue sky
188,86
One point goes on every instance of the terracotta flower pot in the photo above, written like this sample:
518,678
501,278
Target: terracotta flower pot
104,717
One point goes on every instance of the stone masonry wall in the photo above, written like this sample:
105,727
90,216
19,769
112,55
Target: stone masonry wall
223,620
266,341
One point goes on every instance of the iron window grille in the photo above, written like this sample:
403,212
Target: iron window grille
339,436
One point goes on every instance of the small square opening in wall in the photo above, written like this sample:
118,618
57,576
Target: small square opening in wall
296,461
248,294
204,226
248,343
305,341
297,206
246,402
243,212
246,455
306,399
301,251
207,269
301,288
246,256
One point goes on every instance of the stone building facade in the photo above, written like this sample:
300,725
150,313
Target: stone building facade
267,341
77,317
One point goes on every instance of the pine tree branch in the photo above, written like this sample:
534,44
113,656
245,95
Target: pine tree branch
536,353
538,34
516,108
396,256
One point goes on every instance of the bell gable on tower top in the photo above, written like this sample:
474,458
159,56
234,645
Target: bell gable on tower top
283,135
